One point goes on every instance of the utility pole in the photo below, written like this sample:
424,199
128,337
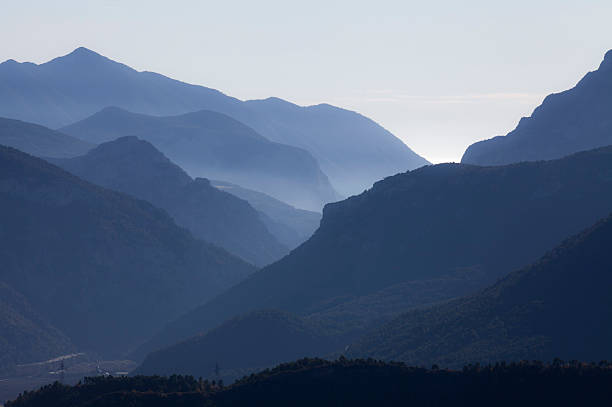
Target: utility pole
61,371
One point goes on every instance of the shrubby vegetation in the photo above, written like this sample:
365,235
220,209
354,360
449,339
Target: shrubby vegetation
24,335
253,341
558,306
348,382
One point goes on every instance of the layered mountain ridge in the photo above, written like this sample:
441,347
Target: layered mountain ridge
352,150
558,307
215,146
95,263
135,167
423,225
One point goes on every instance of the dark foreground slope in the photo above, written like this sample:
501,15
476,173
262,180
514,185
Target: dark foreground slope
135,167
423,225
356,150
260,339
40,141
575,120
558,307
250,342
215,146
106,269
24,335
318,382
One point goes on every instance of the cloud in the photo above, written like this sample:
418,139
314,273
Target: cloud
389,96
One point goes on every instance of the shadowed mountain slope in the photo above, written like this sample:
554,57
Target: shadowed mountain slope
254,341
575,120
352,150
215,146
135,167
25,337
425,224
559,306
40,141
261,339
105,268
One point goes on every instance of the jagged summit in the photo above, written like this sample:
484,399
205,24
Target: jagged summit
607,61
566,122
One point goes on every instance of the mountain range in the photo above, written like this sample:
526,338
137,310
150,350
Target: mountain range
558,307
179,227
575,120
351,149
135,167
291,226
215,146
430,225
104,268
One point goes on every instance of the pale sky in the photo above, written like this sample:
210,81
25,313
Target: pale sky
438,74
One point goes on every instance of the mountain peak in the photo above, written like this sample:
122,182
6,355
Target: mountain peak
83,53
84,56
129,146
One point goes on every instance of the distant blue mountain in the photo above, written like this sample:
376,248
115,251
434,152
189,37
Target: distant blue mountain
351,149
575,120
291,226
215,146
39,140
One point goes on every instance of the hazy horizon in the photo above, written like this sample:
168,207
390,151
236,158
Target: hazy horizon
440,82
